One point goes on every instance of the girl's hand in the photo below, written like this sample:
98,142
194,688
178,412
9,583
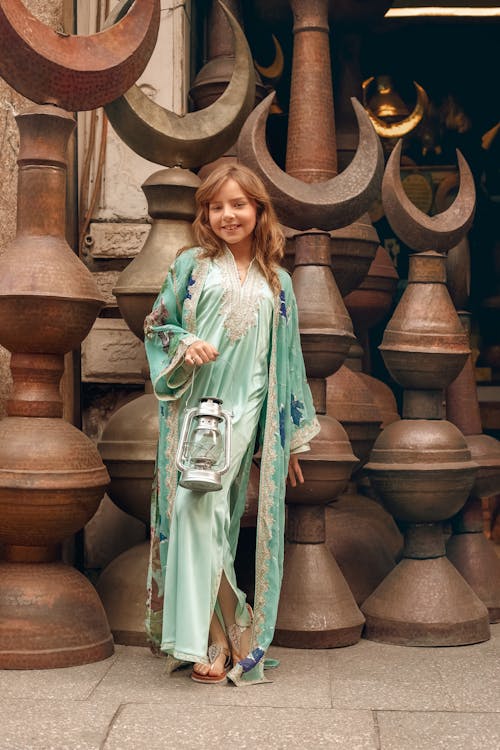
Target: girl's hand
200,353
294,471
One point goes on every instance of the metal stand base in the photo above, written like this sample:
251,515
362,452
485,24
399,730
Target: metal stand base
51,617
317,608
475,559
122,588
425,603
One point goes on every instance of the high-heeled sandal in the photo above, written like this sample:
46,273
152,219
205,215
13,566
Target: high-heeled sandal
214,651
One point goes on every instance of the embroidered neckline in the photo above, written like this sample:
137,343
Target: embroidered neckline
240,301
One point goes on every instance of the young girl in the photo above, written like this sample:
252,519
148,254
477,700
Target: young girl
225,325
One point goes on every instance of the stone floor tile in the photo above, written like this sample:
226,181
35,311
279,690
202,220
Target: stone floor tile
36,724
192,727
438,731
473,691
301,680
72,683
390,677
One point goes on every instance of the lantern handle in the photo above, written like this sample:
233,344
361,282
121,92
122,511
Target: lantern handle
182,438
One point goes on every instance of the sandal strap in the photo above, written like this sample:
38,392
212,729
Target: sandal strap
215,650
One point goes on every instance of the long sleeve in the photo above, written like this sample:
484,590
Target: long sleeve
304,425
165,336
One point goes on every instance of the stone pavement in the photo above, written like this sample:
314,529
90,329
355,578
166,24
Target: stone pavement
365,697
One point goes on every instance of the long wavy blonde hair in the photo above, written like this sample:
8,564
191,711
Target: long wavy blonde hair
268,239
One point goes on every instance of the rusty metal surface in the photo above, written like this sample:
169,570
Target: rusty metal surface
124,604
324,205
353,249
171,205
315,607
468,549
462,406
326,467
422,469
349,400
71,71
196,138
424,344
384,399
51,479
58,286
213,78
311,154
419,231
425,603
371,301
364,540
485,451
128,448
458,274
476,560
51,475
51,617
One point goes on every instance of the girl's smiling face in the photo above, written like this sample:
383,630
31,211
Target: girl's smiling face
232,216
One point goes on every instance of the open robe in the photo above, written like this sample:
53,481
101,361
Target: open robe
260,375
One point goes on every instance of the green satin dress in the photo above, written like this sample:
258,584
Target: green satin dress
194,535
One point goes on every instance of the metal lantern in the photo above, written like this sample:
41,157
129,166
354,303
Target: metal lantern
204,453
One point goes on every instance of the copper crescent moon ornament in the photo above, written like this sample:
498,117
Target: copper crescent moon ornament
417,230
403,127
328,205
274,71
75,72
165,138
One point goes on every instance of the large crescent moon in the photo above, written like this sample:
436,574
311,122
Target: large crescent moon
419,231
72,71
402,128
321,205
199,137
274,71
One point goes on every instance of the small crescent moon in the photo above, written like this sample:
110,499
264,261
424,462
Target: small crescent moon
194,139
75,72
275,70
321,205
402,128
417,230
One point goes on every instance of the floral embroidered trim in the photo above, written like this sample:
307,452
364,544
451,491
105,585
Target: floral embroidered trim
305,434
283,307
194,289
239,301
181,656
157,317
174,364
172,436
296,409
267,494
190,283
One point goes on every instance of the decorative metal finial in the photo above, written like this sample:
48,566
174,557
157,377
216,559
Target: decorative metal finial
324,205
75,72
163,137
419,231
